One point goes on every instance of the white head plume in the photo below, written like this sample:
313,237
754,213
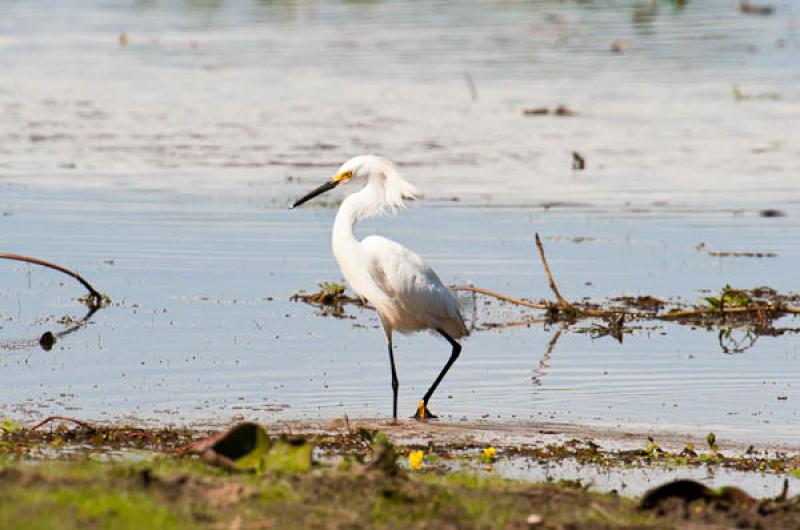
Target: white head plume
386,181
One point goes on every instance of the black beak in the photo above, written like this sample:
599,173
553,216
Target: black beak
318,191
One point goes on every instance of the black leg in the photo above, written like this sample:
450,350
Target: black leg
395,382
423,411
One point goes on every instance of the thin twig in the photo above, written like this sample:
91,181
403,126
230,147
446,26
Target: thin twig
605,514
503,297
562,302
473,89
63,418
513,324
95,294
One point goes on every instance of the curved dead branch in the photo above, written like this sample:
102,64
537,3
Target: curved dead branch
48,419
96,297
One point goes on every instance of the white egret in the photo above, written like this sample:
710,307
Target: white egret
405,291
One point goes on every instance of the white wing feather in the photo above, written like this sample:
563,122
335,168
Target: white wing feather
418,298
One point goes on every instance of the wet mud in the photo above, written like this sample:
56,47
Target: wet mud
355,467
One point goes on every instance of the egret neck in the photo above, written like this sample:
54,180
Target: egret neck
349,255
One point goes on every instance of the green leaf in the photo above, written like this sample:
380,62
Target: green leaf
9,426
289,456
333,288
246,446
734,298
380,440
712,301
712,441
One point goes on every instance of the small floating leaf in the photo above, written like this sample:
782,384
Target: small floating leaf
712,301
9,426
289,456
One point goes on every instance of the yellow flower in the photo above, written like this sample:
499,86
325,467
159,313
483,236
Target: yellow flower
489,453
415,459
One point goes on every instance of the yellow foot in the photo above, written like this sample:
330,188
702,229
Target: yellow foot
423,413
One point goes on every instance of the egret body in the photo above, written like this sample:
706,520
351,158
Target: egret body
405,291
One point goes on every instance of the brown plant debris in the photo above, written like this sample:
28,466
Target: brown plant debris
330,299
755,9
561,110
754,310
578,161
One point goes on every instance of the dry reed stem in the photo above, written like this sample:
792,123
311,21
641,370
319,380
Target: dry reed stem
503,297
63,418
562,302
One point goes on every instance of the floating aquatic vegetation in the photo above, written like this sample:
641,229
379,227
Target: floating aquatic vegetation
740,315
330,299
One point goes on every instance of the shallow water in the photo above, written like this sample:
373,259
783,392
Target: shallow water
635,481
160,169
201,326
231,98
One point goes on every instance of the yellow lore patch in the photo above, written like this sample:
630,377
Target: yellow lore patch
343,176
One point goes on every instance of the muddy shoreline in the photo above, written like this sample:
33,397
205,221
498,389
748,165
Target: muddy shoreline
578,450
512,434
322,474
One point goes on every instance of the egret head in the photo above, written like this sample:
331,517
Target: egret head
369,171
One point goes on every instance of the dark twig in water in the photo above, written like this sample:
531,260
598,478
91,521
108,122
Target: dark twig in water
96,297
753,9
578,162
